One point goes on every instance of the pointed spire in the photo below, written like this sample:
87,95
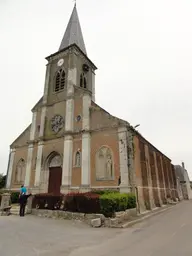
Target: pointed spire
73,33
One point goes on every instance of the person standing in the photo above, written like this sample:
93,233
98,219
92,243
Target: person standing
23,200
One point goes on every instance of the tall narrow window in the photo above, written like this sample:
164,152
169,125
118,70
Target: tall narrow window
78,159
83,81
60,81
57,82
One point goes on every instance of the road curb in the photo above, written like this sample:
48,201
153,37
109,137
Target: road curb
147,216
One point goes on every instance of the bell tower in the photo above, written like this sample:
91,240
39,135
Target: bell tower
69,68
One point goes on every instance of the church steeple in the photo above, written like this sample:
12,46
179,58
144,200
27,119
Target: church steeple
69,70
73,33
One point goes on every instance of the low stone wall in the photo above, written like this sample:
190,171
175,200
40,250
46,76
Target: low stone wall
95,220
67,215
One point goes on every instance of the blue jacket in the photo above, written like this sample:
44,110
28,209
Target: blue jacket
23,191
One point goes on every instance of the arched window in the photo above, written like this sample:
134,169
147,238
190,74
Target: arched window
59,80
78,159
83,81
104,164
20,172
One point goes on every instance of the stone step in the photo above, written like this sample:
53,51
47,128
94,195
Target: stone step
15,210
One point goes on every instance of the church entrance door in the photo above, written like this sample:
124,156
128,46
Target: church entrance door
55,177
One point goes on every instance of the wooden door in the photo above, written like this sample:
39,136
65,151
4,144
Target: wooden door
55,177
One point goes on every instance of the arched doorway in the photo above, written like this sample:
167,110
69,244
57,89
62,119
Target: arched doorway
55,175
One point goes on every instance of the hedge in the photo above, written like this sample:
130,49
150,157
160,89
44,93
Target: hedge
116,202
47,201
131,203
107,203
82,202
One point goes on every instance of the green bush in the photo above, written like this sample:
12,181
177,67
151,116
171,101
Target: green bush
14,197
2,181
115,202
131,203
107,205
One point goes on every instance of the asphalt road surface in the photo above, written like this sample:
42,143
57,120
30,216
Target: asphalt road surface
167,234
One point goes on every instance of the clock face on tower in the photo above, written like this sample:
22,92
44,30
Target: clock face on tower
60,62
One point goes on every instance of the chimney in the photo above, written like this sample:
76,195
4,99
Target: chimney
183,165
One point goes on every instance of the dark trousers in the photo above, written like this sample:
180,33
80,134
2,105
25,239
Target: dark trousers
22,209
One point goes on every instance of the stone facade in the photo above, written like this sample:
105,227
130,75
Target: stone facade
155,176
74,143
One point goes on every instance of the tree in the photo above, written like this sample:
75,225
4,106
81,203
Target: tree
2,181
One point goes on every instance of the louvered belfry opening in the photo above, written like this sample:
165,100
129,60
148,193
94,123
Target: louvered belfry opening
60,81
83,81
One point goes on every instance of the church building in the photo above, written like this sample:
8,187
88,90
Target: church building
72,144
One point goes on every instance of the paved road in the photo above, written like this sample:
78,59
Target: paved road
167,234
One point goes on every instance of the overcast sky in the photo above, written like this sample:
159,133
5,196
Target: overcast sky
143,51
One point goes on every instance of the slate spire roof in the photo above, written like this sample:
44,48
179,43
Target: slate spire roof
73,33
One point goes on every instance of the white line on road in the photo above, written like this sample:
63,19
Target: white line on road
176,231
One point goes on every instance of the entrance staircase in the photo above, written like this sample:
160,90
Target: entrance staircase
15,209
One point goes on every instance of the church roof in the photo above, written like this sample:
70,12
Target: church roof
20,136
38,104
73,33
